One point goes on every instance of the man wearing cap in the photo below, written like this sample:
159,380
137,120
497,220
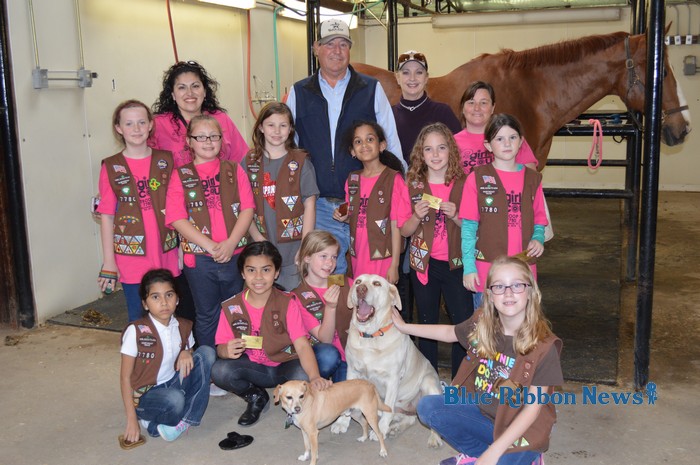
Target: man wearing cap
324,106
416,110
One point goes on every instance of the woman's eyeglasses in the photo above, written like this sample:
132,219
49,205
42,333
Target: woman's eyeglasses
500,289
212,138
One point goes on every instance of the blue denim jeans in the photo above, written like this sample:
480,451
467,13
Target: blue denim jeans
341,231
211,283
477,298
466,429
327,358
175,400
134,306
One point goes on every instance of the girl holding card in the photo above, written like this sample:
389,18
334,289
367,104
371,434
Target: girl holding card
376,195
435,182
262,339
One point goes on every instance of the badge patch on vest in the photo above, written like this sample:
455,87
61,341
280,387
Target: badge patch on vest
128,245
290,201
147,340
240,326
162,164
418,251
292,227
382,224
144,329
153,184
119,169
308,295
235,309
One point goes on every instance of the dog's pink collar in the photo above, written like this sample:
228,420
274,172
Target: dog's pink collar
377,333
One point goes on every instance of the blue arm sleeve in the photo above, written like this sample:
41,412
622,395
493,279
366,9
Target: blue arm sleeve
469,228
537,234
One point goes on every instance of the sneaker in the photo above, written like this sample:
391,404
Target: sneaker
171,433
216,391
461,459
151,428
144,423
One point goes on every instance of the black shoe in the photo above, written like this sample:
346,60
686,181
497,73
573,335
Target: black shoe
258,402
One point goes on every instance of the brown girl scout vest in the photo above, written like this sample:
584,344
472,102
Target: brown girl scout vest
378,211
422,239
129,230
196,202
313,304
536,437
493,211
150,353
273,327
288,202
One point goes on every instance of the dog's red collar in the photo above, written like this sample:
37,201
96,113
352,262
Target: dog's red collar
377,333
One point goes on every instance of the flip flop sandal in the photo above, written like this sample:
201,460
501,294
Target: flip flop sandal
127,445
235,441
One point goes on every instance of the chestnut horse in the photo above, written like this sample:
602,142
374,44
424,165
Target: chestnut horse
548,86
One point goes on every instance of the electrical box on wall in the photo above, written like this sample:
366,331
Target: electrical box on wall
690,65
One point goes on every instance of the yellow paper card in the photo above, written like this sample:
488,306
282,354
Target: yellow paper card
433,202
252,342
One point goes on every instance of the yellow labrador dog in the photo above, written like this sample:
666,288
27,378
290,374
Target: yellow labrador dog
379,353
310,410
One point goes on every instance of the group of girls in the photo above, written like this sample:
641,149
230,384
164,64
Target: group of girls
241,227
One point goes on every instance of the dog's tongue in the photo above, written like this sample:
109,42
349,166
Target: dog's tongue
364,310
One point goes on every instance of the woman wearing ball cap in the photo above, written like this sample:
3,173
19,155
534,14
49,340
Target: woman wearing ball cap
415,110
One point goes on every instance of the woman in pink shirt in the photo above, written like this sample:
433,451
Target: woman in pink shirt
188,91
478,104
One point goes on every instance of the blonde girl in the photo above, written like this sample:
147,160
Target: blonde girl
509,346
283,181
133,185
318,256
435,253
211,205
503,206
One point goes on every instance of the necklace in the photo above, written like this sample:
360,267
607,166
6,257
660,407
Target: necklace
414,107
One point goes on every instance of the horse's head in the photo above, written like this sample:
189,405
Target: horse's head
675,120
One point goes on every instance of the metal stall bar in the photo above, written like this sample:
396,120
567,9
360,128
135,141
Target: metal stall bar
650,192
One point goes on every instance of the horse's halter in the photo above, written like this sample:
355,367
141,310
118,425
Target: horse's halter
633,79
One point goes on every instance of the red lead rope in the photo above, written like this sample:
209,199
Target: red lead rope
597,147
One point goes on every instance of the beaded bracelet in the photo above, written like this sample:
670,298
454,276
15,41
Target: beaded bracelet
108,274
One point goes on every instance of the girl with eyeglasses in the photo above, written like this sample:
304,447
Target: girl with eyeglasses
211,205
133,185
502,208
477,104
189,91
284,186
510,348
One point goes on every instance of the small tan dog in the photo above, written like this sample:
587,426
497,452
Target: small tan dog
311,410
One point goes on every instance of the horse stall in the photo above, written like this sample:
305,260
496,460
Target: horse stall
549,88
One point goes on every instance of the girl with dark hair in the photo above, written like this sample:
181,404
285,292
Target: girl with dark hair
376,197
189,91
261,339
164,383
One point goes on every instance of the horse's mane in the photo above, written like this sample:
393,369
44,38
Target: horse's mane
560,53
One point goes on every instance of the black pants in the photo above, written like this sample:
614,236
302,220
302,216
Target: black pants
458,300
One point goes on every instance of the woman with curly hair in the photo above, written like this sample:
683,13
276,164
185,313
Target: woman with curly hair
189,91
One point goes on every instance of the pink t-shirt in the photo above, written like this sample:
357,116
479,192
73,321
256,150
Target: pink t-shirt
440,247
171,135
473,152
321,292
133,267
295,328
175,208
512,182
400,204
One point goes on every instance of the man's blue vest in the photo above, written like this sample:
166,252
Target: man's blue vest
314,132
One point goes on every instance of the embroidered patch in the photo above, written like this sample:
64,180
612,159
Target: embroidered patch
162,164
119,169
382,224
145,329
235,309
290,201
308,295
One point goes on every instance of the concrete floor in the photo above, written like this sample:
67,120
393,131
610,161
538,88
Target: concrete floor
61,403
